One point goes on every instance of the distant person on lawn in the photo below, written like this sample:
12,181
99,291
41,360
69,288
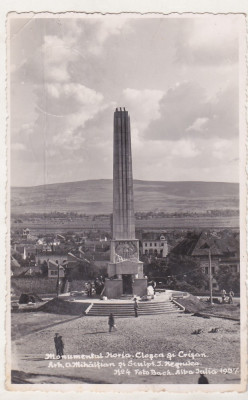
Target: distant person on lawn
136,306
202,379
111,322
231,294
223,295
90,289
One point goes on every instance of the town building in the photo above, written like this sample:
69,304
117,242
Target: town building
25,233
25,250
55,270
40,258
221,247
155,245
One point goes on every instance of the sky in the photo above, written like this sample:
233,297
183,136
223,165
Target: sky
177,77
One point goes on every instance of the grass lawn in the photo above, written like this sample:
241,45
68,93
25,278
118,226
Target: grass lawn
167,335
192,304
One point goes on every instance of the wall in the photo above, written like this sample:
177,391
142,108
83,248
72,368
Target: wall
113,288
140,287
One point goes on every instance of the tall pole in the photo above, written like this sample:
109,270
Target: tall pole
210,278
58,282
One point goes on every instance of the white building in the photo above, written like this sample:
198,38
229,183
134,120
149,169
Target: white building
156,247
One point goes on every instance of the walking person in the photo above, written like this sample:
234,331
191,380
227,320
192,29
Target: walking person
111,322
60,347
136,306
56,342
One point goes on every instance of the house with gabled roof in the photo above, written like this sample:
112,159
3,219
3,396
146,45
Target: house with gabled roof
222,248
55,269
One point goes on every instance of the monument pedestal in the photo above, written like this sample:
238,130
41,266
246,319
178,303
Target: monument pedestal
140,287
115,288
125,270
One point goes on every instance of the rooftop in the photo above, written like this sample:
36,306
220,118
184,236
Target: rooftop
221,244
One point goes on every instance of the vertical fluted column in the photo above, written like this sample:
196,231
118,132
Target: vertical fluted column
123,212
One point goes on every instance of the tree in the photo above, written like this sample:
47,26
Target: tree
188,270
179,272
227,279
155,268
44,268
198,279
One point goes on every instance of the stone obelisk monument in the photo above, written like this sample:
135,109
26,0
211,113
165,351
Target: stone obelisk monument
125,271
123,212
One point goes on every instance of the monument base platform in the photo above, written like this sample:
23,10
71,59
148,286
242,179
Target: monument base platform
114,288
82,305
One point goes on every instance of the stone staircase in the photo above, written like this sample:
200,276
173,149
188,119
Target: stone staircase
66,286
126,310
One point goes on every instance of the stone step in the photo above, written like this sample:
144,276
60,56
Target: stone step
111,309
107,312
103,305
126,307
116,311
127,310
131,315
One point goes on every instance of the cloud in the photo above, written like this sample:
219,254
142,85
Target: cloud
213,43
69,98
186,160
144,103
185,148
67,108
144,108
18,147
187,111
62,112
52,47
177,78
63,105
221,147
198,125
57,53
104,28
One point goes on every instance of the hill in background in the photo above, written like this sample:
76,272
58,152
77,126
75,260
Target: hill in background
96,197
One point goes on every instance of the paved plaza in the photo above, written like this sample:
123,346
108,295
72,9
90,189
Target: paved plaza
125,353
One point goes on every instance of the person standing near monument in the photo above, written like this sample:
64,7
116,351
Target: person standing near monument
231,294
56,342
90,289
136,306
60,346
223,295
111,322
